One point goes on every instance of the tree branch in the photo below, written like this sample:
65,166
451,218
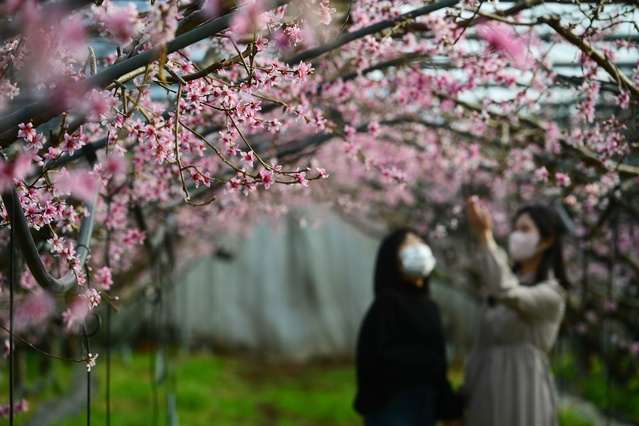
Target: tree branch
584,154
619,77
13,28
346,38
30,251
49,106
250,50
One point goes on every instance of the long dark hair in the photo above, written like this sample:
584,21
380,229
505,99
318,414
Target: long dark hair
387,273
549,224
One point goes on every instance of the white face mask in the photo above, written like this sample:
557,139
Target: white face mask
417,260
522,246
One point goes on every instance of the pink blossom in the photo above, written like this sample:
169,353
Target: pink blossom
322,173
562,179
82,184
52,154
267,178
501,38
11,6
27,131
7,348
92,296
35,145
552,137
350,149
91,361
581,328
200,178
115,165
104,278
34,311
373,128
121,23
623,100
248,158
300,178
541,174
161,23
68,318
73,142
610,306
249,18
293,35
57,243
248,186
260,43
68,252
233,185
134,237
22,406
325,13
100,106
75,313
303,70
211,7
18,169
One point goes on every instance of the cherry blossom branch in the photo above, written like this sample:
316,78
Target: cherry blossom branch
521,6
151,243
181,166
585,154
250,50
623,257
619,77
30,251
49,106
177,144
499,18
544,160
43,352
214,148
248,144
13,28
345,38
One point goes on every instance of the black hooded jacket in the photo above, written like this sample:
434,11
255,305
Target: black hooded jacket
401,344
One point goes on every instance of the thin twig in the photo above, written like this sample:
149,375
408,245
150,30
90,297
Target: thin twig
32,346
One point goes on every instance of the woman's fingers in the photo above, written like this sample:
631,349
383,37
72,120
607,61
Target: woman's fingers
473,211
478,215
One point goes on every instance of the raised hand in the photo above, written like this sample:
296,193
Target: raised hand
480,219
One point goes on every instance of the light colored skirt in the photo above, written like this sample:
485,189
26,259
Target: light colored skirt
510,386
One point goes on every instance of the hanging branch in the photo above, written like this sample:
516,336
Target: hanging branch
13,27
30,251
43,352
586,155
618,76
250,50
49,106
102,143
346,38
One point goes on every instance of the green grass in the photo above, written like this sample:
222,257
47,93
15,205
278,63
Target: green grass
224,391
603,392
571,417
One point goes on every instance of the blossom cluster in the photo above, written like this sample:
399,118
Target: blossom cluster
248,121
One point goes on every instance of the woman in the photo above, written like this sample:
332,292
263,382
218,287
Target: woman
508,376
400,360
